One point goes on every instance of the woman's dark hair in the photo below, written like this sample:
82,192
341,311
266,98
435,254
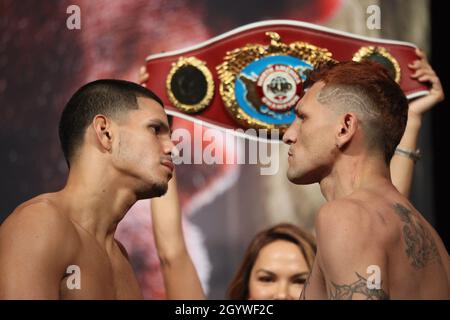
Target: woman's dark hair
239,286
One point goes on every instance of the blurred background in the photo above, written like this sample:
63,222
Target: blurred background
42,63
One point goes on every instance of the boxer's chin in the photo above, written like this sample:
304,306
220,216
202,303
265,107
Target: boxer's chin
305,177
292,175
155,190
297,177
160,189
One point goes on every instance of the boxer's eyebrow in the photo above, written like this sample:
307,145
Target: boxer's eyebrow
157,122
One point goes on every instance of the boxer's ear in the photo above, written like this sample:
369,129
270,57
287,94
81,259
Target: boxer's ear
102,128
348,125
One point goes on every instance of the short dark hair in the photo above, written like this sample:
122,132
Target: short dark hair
109,97
385,107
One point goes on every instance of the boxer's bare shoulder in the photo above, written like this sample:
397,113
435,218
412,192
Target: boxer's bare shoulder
369,236
348,245
356,218
37,243
41,215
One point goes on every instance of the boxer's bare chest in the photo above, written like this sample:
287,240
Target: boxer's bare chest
99,273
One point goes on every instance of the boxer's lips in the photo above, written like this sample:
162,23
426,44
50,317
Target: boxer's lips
169,164
290,154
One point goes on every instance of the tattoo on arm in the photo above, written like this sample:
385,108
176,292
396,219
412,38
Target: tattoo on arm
420,246
346,291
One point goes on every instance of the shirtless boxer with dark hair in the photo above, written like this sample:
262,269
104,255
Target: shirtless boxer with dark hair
116,140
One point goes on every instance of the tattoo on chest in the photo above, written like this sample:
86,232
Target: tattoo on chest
420,246
359,287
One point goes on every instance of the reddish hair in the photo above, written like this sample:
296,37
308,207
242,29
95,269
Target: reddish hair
371,82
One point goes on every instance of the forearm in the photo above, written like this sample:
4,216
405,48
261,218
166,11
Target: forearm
167,228
180,276
402,167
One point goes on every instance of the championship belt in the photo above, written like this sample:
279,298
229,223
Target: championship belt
252,76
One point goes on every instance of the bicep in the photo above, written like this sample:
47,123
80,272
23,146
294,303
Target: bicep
357,282
353,263
25,277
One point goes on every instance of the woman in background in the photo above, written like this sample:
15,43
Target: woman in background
275,266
